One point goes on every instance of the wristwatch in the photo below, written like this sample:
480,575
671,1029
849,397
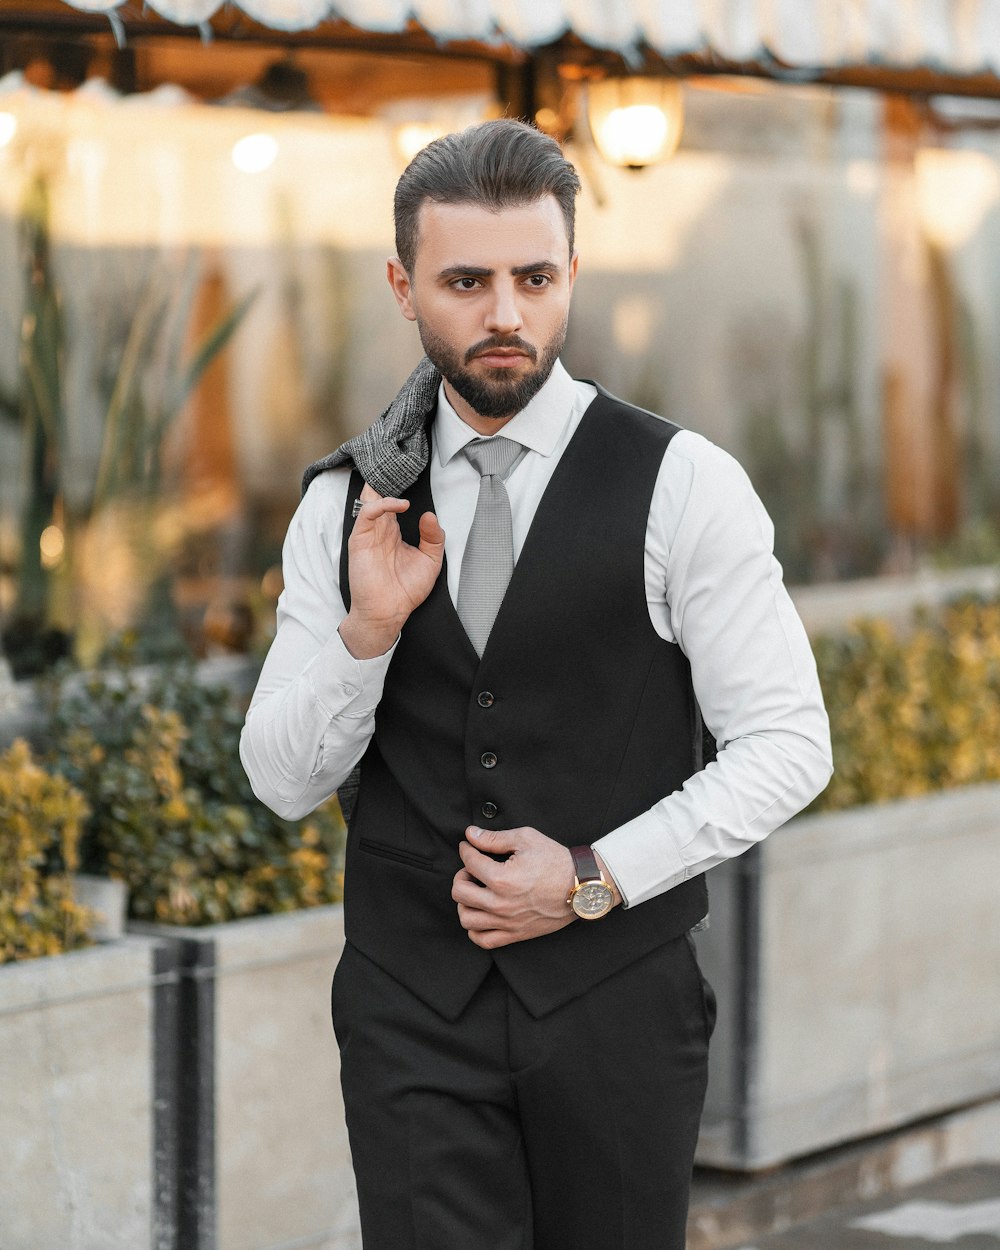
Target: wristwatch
591,897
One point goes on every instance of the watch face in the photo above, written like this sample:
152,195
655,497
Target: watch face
592,900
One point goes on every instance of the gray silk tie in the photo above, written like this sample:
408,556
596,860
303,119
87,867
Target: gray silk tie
489,553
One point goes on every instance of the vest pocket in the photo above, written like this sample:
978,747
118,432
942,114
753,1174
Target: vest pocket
396,853
383,822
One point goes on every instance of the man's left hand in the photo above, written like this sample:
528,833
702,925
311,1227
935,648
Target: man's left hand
521,897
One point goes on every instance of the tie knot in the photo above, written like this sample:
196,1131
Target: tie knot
492,456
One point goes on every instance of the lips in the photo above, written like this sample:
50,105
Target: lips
499,359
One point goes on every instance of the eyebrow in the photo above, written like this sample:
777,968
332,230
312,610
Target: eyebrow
478,271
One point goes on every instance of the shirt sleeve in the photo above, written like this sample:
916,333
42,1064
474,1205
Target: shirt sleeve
754,676
313,711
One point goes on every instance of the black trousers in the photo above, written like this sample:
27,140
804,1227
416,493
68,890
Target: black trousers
501,1131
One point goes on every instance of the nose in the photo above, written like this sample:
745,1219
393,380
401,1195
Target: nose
503,314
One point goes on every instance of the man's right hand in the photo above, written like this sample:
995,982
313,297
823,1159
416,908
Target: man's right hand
389,577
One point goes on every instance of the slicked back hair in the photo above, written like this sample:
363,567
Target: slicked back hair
496,165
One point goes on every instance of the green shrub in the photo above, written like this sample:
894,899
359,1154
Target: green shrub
172,812
40,821
912,711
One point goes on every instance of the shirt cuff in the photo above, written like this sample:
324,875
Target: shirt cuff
643,859
344,685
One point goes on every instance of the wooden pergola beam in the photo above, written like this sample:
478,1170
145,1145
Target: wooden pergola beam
51,17
58,19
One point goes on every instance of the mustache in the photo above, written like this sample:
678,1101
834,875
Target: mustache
499,340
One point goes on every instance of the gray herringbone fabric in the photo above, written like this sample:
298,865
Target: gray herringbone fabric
489,552
392,452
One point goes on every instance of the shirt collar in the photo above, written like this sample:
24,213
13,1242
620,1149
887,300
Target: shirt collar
538,426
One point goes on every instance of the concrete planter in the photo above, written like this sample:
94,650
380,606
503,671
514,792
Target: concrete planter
263,1149
831,607
85,1124
854,955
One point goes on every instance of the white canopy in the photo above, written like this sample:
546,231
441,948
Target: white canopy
952,36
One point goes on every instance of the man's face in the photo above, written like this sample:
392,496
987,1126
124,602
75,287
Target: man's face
490,294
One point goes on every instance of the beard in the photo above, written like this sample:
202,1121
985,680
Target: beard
492,393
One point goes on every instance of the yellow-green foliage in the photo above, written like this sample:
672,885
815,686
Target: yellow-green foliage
172,812
913,711
40,820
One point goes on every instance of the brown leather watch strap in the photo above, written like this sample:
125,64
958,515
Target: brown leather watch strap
585,864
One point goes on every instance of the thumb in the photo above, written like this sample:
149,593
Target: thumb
493,841
431,537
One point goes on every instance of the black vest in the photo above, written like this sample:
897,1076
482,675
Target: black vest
589,714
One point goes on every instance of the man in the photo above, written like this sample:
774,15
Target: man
510,599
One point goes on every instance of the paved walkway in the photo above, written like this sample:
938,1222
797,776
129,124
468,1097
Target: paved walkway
959,1210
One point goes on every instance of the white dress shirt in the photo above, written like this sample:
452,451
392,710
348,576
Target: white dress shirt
712,585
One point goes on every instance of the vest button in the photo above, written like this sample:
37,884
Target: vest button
485,699
489,810
488,759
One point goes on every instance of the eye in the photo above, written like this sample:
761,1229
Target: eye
465,284
539,280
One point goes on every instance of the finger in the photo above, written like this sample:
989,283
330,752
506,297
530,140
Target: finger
491,910
480,867
467,890
431,536
473,918
494,841
463,876
491,939
372,509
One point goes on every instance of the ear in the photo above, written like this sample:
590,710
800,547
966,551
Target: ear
574,262
399,280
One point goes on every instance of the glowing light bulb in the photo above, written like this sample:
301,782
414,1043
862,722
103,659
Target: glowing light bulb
254,153
634,135
955,191
52,543
636,121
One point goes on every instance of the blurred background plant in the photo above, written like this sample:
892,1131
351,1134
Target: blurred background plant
70,527
41,819
172,814
33,638
912,711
